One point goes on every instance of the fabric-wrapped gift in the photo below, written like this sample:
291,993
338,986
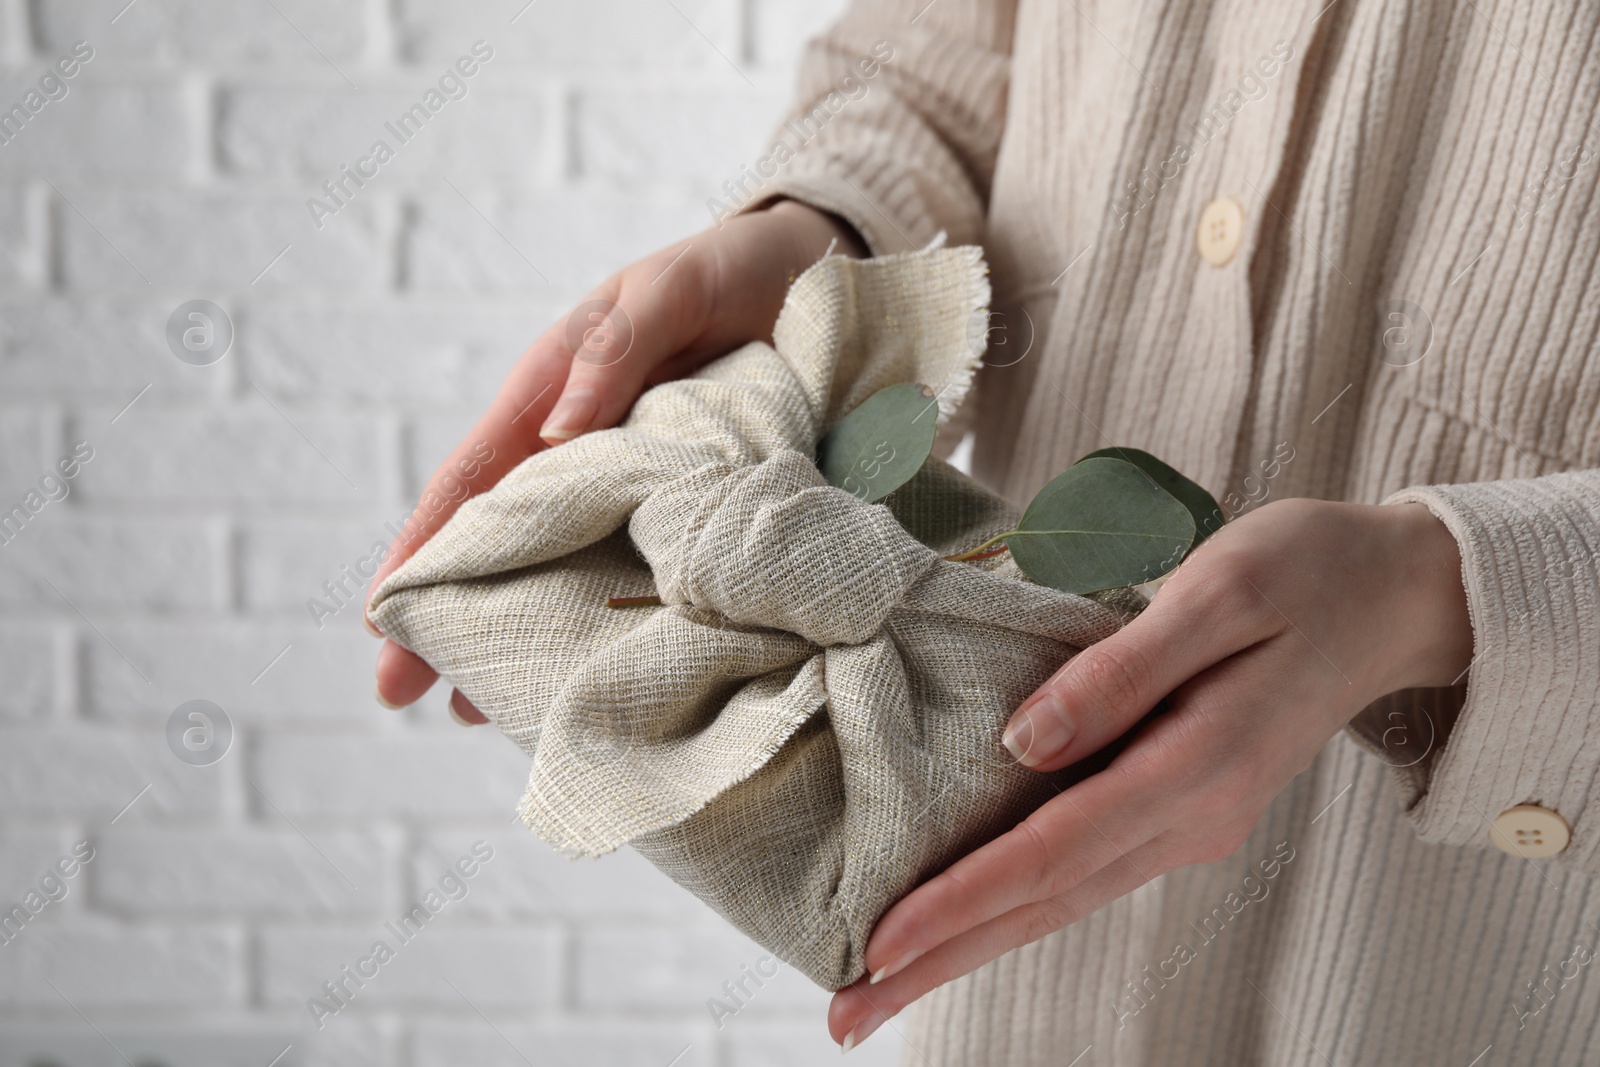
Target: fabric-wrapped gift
809,724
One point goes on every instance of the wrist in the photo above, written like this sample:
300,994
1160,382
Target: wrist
1439,637
757,256
814,231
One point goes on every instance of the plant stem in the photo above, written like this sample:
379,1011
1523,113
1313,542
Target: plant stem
633,602
983,551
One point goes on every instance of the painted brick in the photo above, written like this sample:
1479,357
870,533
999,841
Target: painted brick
612,1043
205,520
25,522
575,239
286,561
503,966
22,435
21,243
804,1044
699,136
499,129
86,557
225,1038
97,772
243,454
257,871
208,33
98,963
27,856
237,1042
680,968
454,774
104,128
353,1043
780,28
13,38
529,878
324,676
92,346
399,352
429,440
599,37
207,241
28,658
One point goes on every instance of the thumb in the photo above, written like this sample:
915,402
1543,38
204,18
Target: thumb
659,311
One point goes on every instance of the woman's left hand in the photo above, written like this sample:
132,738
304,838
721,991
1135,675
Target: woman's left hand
1267,641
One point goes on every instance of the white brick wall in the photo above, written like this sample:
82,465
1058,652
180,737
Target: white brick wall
177,166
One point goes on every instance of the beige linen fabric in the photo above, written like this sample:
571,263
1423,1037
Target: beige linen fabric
1440,153
810,723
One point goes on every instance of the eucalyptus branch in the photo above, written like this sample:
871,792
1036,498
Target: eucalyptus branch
983,551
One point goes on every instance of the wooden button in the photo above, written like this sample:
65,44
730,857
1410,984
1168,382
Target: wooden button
1530,831
1221,230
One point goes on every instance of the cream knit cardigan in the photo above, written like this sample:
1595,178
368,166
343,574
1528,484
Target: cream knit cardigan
1441,154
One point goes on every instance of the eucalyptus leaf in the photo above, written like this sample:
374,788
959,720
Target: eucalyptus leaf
882,444
1201,504
1101,524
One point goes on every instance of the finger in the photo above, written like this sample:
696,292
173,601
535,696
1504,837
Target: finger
1226,745
1061,845
684,305
402,676
616,344
1182,759
680,365
1108,687
507,434
859,1009
463,711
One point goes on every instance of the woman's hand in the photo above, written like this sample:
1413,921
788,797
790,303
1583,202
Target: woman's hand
1274,634
657,319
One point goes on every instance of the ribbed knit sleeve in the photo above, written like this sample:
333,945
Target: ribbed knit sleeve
897,121
1529,731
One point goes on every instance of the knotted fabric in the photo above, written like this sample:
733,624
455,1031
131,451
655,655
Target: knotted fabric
809,724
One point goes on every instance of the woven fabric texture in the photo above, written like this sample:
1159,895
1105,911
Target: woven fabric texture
809,724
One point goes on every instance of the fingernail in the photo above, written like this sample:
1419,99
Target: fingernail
894,968
572,415
456,715
1039,732
372,628
864,1029
385,700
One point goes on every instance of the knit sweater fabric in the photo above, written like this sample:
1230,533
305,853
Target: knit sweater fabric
1412,315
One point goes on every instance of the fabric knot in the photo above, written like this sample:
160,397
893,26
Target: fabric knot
774,545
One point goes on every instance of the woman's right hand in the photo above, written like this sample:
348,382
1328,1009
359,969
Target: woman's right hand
657,319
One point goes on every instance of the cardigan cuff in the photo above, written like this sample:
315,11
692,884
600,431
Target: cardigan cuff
885,210
896,123
1528,730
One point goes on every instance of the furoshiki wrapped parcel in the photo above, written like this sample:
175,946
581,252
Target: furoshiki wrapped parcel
808,723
